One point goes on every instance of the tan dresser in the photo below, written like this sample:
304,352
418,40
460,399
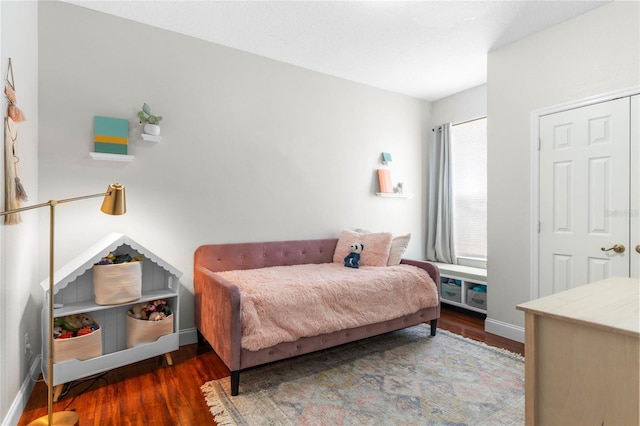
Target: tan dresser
582,355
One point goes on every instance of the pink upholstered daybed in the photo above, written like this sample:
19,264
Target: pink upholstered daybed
228,309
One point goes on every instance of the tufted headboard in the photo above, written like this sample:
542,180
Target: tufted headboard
228,257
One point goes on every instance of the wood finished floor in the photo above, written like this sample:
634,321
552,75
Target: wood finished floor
152,393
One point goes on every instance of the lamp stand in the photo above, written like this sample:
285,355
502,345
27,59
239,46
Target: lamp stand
114,203
62,417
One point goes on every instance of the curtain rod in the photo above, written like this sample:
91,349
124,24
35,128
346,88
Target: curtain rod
460,122
469,121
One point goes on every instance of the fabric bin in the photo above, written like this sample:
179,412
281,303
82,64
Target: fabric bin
117,283
451,291
477,299
144,331
80,348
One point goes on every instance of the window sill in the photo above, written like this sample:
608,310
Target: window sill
468,272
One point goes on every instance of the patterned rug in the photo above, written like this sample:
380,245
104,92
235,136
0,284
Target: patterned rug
402,378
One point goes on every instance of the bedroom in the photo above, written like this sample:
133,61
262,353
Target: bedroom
255,119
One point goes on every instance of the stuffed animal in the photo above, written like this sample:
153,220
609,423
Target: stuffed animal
74,322
150,311
352,260
157,316
137,310
57,331
73,326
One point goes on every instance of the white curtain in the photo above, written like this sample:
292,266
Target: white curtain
440,217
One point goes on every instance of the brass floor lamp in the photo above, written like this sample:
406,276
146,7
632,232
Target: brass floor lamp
114,204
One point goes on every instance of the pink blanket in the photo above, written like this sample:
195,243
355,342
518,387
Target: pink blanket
284,303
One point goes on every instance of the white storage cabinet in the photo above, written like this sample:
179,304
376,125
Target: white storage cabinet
457,283
73,294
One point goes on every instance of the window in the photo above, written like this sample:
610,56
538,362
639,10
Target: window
469,191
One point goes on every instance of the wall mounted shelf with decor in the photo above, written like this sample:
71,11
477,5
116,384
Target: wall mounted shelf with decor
112,157
393,195
385,184
151,138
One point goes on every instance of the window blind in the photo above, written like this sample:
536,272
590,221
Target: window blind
469,188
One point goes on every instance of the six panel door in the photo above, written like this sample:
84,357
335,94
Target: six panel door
584,195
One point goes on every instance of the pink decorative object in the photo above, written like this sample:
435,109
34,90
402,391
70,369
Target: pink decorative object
377,247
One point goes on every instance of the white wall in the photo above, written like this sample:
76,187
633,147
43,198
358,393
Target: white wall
592,54
20,297
466,105
252,150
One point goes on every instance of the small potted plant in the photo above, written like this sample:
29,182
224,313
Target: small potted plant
151,122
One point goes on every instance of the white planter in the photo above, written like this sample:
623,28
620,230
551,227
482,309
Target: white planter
151,129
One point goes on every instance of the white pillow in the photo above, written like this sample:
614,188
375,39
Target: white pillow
398,246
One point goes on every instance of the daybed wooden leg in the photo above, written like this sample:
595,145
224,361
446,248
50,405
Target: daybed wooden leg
434,324
235,382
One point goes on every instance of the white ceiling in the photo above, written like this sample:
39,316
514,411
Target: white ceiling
425,49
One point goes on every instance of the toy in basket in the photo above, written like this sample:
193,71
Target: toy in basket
147,322
117,279
76,336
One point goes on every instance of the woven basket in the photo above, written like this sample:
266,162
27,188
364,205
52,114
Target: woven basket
80,348
143,331
117,283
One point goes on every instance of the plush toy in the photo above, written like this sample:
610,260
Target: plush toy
73,326
75,322
150,311
57,331
352,260
136,310
157,316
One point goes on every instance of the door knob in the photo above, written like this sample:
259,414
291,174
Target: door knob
618,248
638,248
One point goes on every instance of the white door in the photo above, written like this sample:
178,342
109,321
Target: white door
584,195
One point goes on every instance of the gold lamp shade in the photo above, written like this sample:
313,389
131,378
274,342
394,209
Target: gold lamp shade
114,202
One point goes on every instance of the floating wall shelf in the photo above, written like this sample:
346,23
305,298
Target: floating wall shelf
151,138
112,157
393,195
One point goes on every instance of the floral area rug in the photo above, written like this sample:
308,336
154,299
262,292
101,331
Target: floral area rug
405,377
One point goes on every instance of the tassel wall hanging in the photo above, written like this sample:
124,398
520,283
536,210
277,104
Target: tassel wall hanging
14,191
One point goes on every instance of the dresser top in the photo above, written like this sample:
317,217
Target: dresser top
612,304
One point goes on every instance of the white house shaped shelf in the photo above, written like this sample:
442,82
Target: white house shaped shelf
73,294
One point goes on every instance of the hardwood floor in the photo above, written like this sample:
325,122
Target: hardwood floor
471,324
152,393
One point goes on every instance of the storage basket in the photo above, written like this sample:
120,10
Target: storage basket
451,291
144,331
117,283
80,348
477,299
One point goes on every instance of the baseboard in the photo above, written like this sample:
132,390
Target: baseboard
21,399
188,336
509,331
